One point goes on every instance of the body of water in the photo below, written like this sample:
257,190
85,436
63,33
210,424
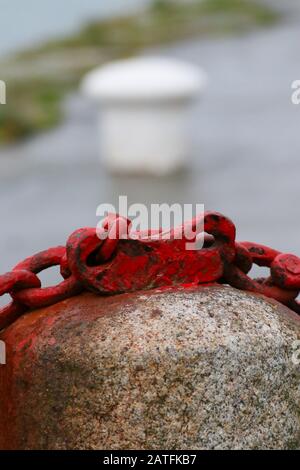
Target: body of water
26,23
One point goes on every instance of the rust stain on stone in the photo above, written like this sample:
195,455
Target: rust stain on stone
98,372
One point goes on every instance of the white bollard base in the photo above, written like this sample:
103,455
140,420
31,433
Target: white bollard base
144,140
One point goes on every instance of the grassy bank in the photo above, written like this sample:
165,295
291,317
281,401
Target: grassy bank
38,79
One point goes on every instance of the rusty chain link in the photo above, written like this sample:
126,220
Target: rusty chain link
95,261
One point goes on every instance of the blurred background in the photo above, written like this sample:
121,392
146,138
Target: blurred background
244,131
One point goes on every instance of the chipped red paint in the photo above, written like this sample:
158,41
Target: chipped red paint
140,263
282,285
131,261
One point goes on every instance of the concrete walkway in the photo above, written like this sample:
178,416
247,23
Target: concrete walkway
246,159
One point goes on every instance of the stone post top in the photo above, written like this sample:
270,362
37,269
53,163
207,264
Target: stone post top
182,368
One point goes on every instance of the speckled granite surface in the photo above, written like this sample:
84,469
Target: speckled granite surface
206,368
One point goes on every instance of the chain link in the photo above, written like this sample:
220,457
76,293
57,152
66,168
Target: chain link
96,261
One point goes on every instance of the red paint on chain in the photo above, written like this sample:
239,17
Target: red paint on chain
43,297
102,263
25,287
143,263
21,279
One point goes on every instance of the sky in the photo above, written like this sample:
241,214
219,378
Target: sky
25,22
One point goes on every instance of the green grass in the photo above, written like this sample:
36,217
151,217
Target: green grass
35,90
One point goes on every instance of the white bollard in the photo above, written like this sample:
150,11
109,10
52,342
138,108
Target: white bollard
144,106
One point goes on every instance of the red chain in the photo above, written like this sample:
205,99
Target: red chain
96,261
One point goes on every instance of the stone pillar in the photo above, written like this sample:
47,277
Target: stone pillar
198,368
